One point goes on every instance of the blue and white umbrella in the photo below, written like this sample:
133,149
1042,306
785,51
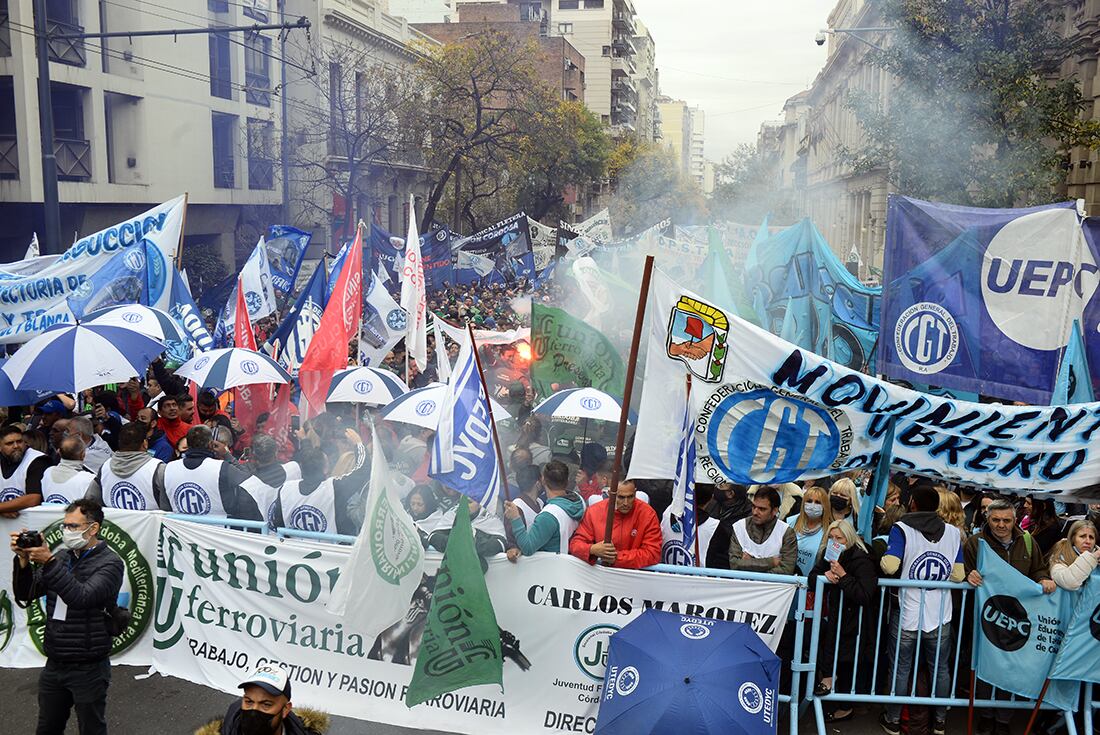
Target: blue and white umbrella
582,403
420,407
145,319
68,358
231,367
367,385
9,396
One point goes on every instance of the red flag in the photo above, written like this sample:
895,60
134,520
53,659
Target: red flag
278,422
242,325
328,350
251,400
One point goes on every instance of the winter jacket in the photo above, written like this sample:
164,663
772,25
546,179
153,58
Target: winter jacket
160,447
1028,563
635,535
854,591
544,533
1072,576
300,721
87,582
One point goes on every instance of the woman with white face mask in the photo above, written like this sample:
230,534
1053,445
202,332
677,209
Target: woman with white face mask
809,526
1074,558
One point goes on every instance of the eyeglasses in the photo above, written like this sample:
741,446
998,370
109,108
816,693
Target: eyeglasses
74,526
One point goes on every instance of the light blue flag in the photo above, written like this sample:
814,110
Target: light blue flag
186,313
1074,384
1018,632
464,456
125,279
1076,660
679,535
796,323
879,484
286,247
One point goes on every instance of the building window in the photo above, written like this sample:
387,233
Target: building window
62,17
224,133
72,150
606,50
221,66
568,4
593,4
565,28
9,148
261,163
255,9
217,6
5,30
257,65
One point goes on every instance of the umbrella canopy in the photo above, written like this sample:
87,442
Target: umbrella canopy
9,396
668,673
232,367
371,386
420,407
582,403
145,319
68,358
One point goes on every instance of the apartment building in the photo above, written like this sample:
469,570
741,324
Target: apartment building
647,83
676,131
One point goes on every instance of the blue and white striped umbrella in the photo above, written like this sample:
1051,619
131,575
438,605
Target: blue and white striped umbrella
145,319
366,385
232,367
9,396
582,403
420,407
68,358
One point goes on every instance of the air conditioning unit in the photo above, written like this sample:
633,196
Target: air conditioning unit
131,162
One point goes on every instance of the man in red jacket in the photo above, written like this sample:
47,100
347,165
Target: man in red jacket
635,535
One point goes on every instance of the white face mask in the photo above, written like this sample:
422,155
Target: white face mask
73,540
813,510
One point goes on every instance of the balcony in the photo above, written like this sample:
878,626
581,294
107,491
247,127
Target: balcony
261,173
624,85
9,157
622,65
257,89
74,159
66,50
623,21
623,45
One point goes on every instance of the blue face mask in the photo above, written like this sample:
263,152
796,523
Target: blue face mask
813,510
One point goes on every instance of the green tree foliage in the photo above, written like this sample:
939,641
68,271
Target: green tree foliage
648,187
746,188
977,115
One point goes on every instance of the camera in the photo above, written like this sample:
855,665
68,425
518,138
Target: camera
819,39
29,540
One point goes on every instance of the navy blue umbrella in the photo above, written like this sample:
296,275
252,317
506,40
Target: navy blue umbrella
678,675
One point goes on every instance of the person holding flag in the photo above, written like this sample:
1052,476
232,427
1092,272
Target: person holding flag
1074,558
635,535
554,525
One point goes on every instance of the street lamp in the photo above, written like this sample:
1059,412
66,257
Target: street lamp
819,39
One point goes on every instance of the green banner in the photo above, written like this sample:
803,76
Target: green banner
569,353
461,645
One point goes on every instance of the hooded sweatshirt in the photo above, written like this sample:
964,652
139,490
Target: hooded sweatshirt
932,527
124,465
545,532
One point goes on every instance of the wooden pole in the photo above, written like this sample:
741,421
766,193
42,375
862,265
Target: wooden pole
492,423
1038,704
624,413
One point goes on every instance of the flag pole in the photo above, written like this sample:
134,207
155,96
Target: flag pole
489,406
624,412
694,503
1038,704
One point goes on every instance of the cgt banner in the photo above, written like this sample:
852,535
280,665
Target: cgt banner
229,601
983,300
130,534
33,303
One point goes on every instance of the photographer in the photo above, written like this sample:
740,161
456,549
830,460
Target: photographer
81,584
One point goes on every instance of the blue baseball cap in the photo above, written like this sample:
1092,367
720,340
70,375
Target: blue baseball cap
52,406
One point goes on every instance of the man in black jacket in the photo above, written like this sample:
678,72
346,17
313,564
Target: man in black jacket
80,582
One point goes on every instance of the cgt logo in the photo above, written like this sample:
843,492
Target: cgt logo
1094,623
1005,623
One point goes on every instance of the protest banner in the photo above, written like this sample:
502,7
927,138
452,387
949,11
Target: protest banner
232,600
568,353
32,303
983,300
131,534
1076,660
435,252
286,247
497,254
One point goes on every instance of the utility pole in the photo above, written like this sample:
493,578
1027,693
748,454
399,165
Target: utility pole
52,243
284,137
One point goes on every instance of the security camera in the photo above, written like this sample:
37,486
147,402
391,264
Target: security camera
819,39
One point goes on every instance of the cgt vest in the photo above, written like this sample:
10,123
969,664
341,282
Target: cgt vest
264,495
195,492
314,512
16,486
130,493
566,525
932,562
769,547
63,493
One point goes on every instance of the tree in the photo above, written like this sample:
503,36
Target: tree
565,146
746,188
481,91
648,187
978,115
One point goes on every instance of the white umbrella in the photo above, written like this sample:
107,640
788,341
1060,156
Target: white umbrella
420,407
68,358
366,385
230,368
145,319
581,403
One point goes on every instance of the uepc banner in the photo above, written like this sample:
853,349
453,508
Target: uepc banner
130,534
983,300
230,601
31,304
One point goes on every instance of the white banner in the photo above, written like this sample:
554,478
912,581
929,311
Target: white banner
130,534
232,600
32,302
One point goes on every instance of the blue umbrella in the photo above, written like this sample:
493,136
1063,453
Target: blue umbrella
67,358
371,386
9,396
669,673
232,367
145,319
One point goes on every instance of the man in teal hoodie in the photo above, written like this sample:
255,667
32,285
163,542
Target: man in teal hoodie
556,522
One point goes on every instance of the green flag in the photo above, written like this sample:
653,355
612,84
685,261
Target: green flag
568,352
461,645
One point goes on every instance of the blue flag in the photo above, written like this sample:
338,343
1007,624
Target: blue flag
464,456
288,343
1076,660
435,252
286,247
186,313
679,542
879,484
1074,382
1018,631
334,270
387,251
127,278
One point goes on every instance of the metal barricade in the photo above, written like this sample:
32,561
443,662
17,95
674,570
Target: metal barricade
801,664
234,523
883,687
1090,708
331,538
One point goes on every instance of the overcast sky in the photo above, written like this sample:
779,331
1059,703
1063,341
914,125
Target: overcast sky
737,59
